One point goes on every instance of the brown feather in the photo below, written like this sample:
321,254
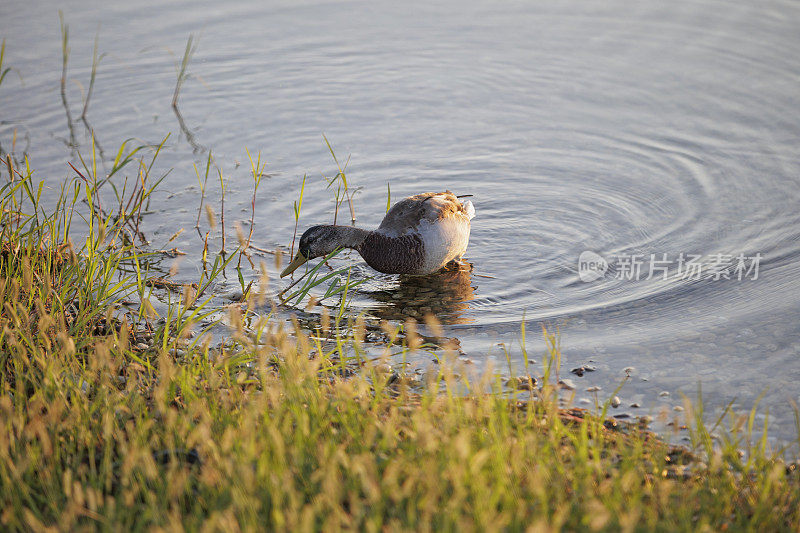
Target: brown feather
405,215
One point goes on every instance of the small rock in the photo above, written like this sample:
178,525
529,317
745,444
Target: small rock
622,415
403,379
383,368
615,402
635,405
677,408
141,346
522,382
663,393
581,370
567,384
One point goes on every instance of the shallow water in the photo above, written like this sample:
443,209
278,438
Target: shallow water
624,128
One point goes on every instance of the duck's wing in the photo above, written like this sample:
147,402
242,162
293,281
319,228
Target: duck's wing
406,215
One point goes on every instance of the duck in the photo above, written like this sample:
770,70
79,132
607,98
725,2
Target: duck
418,236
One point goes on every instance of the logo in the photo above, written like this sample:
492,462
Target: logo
591,266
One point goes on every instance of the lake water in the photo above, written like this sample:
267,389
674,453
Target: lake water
621,128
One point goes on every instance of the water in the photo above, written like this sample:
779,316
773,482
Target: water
621,128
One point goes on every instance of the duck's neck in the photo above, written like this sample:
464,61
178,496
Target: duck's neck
349,236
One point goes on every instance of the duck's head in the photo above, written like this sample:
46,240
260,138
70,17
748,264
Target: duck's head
317,241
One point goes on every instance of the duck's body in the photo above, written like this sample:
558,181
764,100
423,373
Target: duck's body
419,235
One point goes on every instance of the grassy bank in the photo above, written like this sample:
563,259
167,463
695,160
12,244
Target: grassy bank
113,417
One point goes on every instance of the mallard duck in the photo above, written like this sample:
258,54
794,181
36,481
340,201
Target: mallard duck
419,235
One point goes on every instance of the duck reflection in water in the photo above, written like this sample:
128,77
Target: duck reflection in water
445,295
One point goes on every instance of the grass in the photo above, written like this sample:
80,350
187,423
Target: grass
4,70
112,419
95,62
65,51
297,206
340,179
182,74
257,171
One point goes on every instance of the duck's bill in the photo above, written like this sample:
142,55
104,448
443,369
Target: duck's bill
298,260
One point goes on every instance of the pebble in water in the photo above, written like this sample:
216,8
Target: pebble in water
567,384
615,402
522,382
383,368
579,371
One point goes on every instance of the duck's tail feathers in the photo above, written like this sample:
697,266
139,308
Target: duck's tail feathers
470,210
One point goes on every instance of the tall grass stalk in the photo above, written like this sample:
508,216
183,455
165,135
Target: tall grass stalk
222,207
4,70
65,51
297,205
202,183
340,175
257,171
95,62
191,48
